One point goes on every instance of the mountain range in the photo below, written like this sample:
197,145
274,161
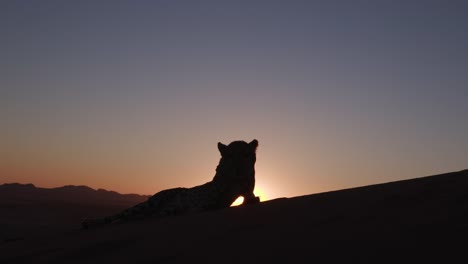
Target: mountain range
26,193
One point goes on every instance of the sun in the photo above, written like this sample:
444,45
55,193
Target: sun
257,191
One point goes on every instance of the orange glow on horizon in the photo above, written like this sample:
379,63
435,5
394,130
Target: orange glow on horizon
258,192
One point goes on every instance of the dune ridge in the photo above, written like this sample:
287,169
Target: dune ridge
418,220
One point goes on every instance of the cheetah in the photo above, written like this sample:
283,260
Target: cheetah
235,177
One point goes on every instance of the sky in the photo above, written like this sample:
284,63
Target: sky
133,96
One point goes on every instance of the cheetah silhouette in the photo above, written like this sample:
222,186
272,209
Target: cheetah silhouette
235,177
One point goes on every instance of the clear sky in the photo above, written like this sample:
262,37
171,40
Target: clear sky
133,96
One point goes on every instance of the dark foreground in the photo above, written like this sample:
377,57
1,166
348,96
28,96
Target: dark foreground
413,221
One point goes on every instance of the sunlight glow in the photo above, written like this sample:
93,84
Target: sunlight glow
258,192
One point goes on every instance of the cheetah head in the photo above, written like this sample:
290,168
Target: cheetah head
237,161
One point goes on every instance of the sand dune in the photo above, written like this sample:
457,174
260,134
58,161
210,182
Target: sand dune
412,221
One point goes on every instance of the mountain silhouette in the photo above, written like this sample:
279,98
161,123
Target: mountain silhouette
16,192
29,210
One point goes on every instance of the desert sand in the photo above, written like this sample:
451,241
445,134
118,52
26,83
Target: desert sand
419,220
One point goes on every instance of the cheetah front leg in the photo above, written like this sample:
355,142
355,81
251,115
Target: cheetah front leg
249,196
251,199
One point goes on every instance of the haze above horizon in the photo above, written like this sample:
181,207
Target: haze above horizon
133,96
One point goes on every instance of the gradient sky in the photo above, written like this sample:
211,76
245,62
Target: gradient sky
133,96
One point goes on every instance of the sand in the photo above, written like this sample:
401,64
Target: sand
412,221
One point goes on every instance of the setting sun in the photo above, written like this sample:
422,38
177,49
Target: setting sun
258,192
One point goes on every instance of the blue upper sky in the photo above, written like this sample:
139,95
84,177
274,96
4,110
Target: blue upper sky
338,93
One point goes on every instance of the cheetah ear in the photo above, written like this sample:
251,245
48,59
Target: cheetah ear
222,148
254,144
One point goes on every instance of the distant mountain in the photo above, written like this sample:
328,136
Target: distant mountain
27,210
26,193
